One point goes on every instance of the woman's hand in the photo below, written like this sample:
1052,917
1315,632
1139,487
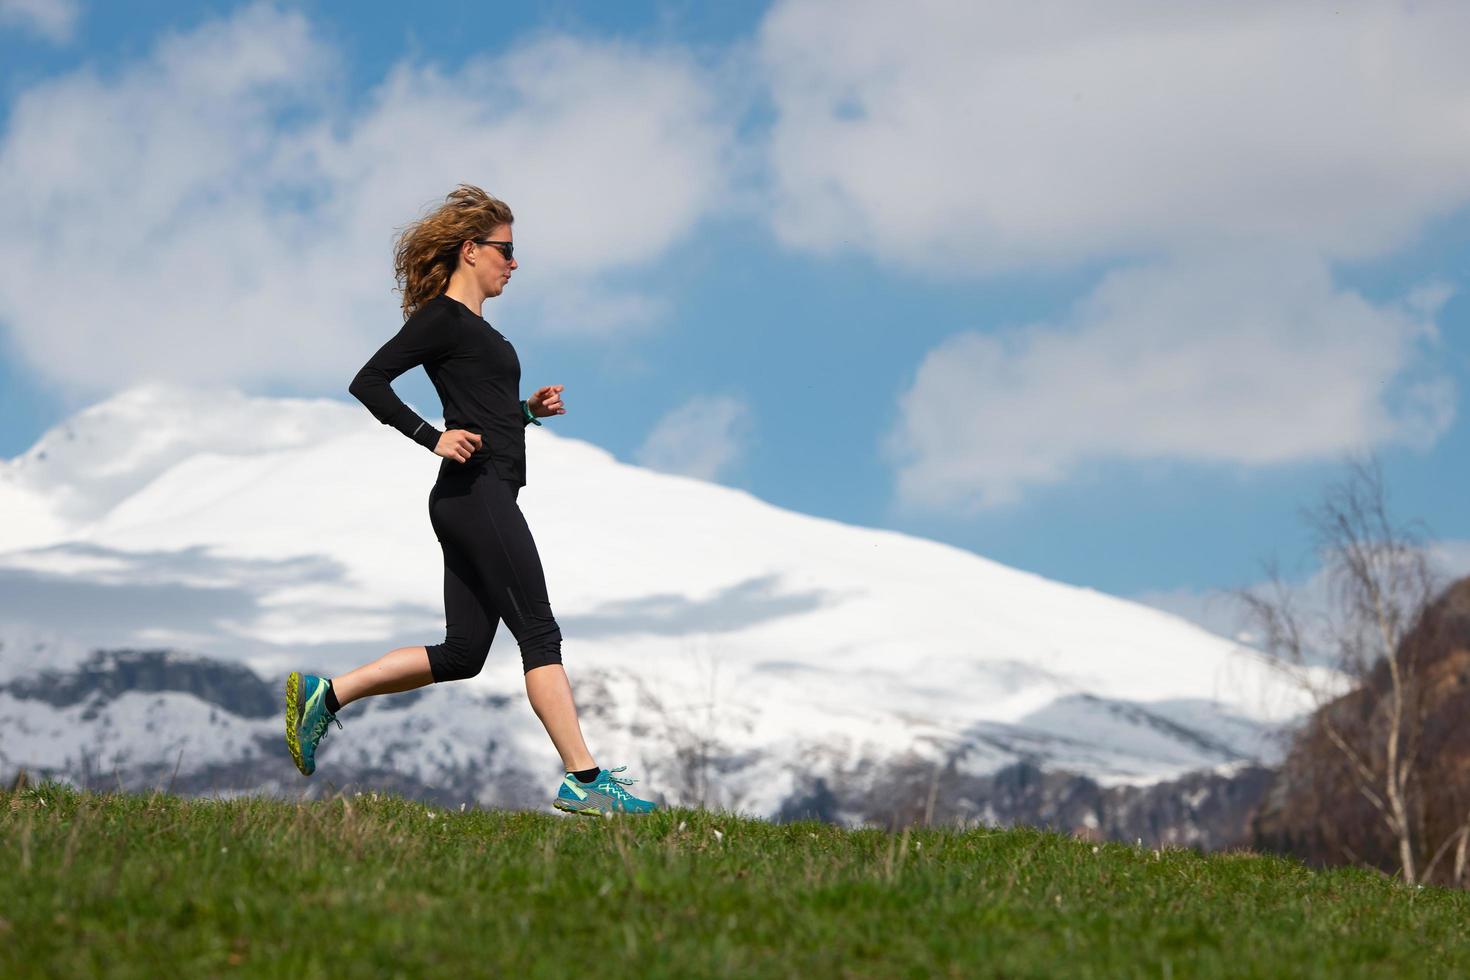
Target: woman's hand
547,401
458,444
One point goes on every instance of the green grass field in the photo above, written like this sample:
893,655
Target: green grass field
148,886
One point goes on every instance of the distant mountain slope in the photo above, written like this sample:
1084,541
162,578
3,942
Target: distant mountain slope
729,646
146,719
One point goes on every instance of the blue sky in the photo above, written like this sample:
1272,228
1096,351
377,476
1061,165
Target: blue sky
1072,291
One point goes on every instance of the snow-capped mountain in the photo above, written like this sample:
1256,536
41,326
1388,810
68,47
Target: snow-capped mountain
725,649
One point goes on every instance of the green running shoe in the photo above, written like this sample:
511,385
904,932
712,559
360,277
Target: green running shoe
307,718
602,795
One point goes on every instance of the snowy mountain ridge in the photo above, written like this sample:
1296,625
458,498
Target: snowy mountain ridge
699,621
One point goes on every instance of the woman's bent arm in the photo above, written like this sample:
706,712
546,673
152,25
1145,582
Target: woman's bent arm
421,340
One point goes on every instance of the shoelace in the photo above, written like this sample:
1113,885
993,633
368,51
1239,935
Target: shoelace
617,790
320,731
620,779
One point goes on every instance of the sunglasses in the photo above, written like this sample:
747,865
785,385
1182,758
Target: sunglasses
507,249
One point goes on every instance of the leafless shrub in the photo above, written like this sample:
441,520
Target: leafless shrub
1359,754
695,734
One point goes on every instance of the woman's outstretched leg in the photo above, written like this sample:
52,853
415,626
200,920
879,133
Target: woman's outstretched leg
547,688
402,669
312,702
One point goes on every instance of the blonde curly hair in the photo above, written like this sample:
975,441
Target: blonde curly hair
427,251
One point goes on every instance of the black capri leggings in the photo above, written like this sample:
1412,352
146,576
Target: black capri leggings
491,572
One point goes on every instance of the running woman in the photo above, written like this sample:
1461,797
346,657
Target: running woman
447,265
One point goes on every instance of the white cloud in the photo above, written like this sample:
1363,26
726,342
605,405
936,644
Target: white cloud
54,20
1451,557
1231,150
1218,611
1222,612
704,438
1311,598
215,213
1249,358
994,136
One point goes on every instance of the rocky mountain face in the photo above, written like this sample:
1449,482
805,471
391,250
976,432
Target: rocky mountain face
110,673
1204,810
146,719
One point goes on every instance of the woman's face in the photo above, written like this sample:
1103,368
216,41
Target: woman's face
492,269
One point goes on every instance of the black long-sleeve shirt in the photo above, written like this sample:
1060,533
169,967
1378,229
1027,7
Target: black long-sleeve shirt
476,373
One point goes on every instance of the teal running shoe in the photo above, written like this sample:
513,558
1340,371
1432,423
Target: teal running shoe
307,718
602,795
